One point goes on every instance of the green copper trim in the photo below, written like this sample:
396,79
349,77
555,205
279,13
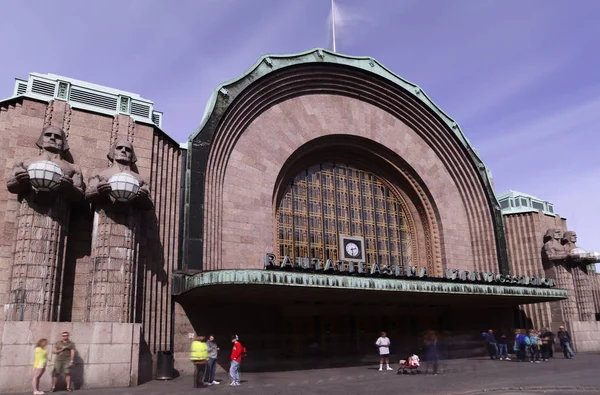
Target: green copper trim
227,92
270,63
185,283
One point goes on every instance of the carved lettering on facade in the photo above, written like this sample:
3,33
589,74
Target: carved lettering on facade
396,271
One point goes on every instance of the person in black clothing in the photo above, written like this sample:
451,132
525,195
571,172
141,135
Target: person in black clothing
502,347
432,352
565,342
547,338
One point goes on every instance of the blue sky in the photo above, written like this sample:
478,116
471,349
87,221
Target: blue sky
520,77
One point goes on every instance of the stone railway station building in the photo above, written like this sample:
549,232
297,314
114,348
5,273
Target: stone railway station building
321,200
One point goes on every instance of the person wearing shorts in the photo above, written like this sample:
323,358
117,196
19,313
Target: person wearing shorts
383,343
39,365
65,354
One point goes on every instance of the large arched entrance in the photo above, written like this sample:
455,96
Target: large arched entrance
303,149
327,200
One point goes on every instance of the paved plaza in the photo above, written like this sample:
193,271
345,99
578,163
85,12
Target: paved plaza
458,377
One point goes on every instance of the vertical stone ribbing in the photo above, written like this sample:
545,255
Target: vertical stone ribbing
564,280
114,266
583,293
38,260
48,114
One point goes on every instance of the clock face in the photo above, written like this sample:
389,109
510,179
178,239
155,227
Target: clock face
352,249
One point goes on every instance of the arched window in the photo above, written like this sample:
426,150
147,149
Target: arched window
328,200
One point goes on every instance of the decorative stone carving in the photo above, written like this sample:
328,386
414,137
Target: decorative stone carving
119,195
553,248
555,258
579,262
44,184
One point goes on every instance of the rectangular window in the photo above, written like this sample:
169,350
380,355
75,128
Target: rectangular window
504,204
537,205
63,90
124,104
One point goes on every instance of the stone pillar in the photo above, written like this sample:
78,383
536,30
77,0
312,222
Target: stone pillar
583,293
114,258
564,280
44,185
36,275
119,195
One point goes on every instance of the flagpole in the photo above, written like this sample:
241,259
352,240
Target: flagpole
333,23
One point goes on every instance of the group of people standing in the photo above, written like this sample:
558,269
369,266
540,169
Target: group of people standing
529,345
204,357
65,355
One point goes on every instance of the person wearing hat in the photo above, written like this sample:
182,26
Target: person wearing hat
565,342
237,352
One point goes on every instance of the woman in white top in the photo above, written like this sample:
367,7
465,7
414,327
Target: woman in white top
383,343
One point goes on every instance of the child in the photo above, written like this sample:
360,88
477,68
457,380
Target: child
534,346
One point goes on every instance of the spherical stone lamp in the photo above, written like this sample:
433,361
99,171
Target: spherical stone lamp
124,187
593,256
577,254
44,175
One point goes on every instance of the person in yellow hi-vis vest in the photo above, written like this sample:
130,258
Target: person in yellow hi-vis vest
199,357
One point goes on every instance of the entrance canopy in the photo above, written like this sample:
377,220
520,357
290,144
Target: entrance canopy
272,285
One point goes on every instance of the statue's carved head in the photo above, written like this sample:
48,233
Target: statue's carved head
553,233
53,139
569,237
122,152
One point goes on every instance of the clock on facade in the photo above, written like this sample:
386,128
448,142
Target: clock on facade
352,248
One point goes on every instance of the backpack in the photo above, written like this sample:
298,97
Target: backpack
527,340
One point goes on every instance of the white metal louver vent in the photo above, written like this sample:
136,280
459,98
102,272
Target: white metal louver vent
92,99
157,118
21,88
43,87
87,96
139,109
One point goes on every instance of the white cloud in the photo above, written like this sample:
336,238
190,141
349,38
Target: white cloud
521,133
486,94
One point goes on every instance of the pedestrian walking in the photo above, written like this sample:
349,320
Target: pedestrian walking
492,345
199,357
432,352
384,343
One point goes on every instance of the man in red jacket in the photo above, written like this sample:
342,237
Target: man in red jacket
237,352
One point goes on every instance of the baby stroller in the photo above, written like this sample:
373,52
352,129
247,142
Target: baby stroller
410,365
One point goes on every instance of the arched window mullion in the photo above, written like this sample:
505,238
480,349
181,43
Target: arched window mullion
393,234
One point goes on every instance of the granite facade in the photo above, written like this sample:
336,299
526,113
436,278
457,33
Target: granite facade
525,238
262,132
106,354
249,150
90,136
